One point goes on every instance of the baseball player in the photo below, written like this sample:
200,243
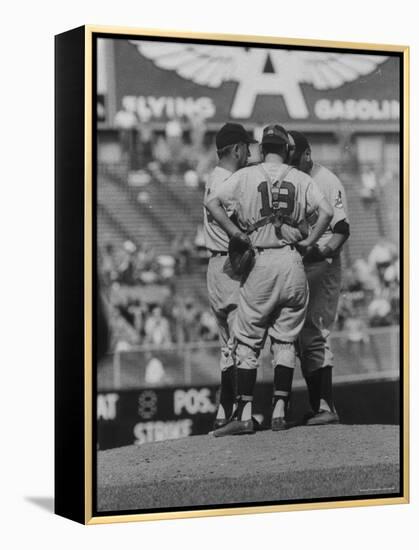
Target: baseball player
232,144
274,296
323,268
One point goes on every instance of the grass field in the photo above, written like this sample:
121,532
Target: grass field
266,467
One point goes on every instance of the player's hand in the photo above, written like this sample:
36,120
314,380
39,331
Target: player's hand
303,246
289,233
314,254
239,235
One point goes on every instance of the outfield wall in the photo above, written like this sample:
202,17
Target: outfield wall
139,416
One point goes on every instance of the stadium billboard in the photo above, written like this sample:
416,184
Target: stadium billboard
210,82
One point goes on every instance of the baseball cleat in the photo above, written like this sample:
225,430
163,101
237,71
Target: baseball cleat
322,418
306,417
257,425
219,423
279,424
235,427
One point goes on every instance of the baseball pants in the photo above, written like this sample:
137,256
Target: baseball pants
223,292
324,281
272,302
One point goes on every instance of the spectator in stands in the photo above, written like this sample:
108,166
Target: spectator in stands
161,153
108,268
145,141
353,290
177,316
126,269
155,170
392,285
157,328
174,137
155,373
395,303
391,275
369,184
182,251
143,197
191,179
379,312
190,317
363,275
174,130
150,275
206,162
138,312
146,264
356,331
126,122
350,280
199,243
381,257
145,256
208,326
123,334
197,128
166,265
139,178
344,310
187,320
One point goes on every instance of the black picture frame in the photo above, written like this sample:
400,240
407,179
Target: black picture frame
77,304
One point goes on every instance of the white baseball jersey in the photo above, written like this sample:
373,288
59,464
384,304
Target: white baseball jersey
324,279
223,285
248,193
333,190
216,238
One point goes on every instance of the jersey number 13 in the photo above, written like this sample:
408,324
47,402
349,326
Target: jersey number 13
286,200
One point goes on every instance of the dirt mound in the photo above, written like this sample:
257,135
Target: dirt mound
266,467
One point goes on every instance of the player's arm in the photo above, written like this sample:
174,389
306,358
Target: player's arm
331,248
216,208
341,232
339,224
325,215
226,198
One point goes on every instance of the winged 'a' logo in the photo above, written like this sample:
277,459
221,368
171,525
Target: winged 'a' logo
260,71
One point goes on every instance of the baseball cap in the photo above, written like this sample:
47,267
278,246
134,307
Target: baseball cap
301,142
275,133
230,134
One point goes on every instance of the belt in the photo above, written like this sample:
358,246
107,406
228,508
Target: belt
215,253
261,249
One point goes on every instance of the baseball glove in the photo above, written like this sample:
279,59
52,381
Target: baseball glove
312,255
241,254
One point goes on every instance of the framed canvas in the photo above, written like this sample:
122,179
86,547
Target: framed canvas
231,274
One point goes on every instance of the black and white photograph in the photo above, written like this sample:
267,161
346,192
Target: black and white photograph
249,253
